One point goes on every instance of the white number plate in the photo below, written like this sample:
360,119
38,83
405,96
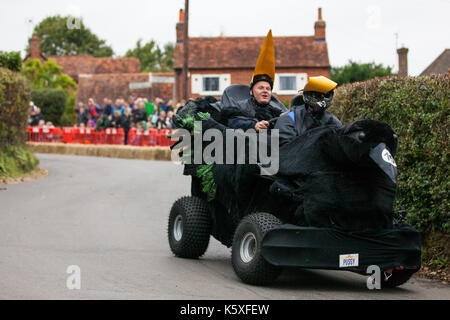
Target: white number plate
348,260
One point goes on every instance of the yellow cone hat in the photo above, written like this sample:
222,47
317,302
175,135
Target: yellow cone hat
320,84
265,65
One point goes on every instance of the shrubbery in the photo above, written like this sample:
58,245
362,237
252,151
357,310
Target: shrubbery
52,102
16,160
15,157
14,99
418,110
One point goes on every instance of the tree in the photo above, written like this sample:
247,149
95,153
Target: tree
66,36
49,76
354,71
151,57
11,60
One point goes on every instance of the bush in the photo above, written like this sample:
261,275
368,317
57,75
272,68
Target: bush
11,61
14,108
52,102
418,110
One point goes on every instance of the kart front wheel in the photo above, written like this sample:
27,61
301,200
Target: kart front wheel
189,227
248,263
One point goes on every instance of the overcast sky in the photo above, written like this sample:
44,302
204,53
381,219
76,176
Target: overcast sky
364,31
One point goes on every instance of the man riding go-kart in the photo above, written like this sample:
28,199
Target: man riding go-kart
329,205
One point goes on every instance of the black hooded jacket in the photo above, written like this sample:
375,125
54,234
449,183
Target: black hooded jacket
299,119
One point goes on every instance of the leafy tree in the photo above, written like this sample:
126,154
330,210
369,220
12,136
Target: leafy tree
11,60
49,76
353,72
167,61
152,57
66,36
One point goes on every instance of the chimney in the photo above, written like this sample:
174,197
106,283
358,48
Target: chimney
35,49
319,28
402,62
180,27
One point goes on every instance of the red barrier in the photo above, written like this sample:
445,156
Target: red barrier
112,136
149,137
44,134
136,137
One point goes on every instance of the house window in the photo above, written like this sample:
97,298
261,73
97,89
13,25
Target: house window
288,82
210,84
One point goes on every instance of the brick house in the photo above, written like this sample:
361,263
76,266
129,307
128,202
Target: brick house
108,77
217,62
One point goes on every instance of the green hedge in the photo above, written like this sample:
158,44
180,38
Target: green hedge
14,107
418,110
52,102
15,157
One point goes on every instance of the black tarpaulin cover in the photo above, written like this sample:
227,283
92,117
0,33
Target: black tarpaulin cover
310,247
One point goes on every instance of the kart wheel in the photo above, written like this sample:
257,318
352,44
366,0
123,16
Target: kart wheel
248,263
397,278
189,227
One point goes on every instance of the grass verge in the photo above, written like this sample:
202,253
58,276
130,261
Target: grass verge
16,161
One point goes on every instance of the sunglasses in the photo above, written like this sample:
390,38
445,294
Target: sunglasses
320,95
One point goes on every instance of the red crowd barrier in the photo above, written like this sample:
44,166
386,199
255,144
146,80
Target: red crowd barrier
150,137
43,134
136,137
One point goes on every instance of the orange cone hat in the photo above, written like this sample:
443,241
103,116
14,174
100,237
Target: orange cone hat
265,65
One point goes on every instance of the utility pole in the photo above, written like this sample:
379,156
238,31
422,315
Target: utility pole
186,50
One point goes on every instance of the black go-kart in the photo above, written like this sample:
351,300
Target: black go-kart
330,206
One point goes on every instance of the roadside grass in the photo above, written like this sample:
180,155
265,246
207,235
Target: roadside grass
435,256
16,161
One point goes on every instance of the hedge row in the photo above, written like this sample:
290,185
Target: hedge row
418,110
14,100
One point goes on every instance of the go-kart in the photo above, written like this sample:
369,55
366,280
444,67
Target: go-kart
330,206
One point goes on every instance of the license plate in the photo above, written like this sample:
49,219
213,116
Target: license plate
348,260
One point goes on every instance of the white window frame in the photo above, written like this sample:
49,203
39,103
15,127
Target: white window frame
300,82
197,83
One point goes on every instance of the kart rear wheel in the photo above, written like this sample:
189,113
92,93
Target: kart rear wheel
189,227
248,263
397,278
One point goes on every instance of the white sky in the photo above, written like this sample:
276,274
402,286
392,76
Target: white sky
363,31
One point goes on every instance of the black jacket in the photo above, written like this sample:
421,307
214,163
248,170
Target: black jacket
304,120
246,113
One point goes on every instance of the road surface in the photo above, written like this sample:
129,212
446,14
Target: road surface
108,218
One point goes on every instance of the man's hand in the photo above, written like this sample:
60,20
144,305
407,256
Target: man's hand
262,125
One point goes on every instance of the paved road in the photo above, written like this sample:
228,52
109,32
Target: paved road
109,217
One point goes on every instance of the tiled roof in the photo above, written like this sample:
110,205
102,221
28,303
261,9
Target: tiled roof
75,65
99,86
242,52
439,66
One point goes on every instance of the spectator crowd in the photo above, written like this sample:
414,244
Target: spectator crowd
135,113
